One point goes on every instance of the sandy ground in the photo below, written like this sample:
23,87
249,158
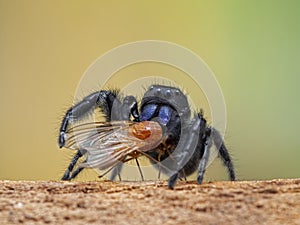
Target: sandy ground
103,202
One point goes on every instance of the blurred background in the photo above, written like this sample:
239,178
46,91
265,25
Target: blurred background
253,48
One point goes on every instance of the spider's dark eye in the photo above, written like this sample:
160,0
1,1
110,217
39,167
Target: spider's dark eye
157,92
168,93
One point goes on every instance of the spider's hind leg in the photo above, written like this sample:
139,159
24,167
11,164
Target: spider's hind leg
223,152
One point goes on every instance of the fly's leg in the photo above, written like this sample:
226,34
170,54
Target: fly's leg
138,164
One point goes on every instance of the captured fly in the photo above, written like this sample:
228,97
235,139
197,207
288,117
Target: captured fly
108,143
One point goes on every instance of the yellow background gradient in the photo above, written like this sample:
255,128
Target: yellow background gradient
253,47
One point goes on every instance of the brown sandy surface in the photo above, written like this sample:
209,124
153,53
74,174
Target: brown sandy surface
103,202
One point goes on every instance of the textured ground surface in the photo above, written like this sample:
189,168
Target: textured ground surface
248,202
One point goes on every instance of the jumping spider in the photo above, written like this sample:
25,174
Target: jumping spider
162,129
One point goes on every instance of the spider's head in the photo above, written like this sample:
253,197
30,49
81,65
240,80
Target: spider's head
171,96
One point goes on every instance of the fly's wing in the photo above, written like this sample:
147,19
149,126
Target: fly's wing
89,134
108,143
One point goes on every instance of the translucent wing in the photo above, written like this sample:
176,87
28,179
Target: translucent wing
108,143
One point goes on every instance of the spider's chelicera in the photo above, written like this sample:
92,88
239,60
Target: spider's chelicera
163,129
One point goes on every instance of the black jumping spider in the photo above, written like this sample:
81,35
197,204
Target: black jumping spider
180,144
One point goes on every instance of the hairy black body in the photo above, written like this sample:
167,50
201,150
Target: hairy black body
186,142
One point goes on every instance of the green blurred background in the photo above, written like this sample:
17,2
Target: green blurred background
253,47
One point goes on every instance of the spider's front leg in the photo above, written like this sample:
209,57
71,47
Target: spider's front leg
189,149
102,99
113,109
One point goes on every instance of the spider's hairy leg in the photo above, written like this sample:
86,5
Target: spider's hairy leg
112,108
223,152
103,99
73,162
205,157
188,142
76,172
172,181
